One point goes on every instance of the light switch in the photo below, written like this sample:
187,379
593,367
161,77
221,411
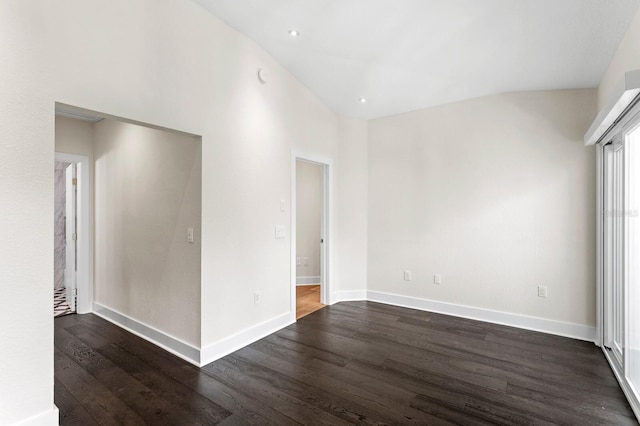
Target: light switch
298,261
282,205
190,235
280,231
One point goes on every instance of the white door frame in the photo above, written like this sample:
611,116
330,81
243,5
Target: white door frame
83,276
325,225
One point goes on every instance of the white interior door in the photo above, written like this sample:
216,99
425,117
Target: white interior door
70,237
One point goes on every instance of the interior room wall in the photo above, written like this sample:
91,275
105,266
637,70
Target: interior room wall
308,215
179,68
496,195
148,193
626,58
352,203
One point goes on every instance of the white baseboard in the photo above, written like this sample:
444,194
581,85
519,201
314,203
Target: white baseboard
239,340
48,418
348,296
565,329
214,351
167,342
307,280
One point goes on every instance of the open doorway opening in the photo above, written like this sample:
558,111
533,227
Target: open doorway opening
65,259
137,231
71,235
310,244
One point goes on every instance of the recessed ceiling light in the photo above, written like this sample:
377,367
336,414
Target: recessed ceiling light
363,100
294,33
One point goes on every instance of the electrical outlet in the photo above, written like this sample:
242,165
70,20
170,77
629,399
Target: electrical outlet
542,291
437,279
256,297
282,205
279,231
190,235
407,275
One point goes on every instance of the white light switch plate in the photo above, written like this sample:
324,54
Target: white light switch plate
190,235
280,231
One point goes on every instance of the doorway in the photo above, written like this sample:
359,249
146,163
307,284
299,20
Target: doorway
71,235
65,261
310,237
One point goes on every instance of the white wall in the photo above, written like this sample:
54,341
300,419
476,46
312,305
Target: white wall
351,181
308,214
496,194
170,64
626,58
147,193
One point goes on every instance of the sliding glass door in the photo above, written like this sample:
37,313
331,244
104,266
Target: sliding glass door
621,255
632,317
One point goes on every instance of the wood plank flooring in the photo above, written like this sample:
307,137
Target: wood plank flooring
351,363
307,300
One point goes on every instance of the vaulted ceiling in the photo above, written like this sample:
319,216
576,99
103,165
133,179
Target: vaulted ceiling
403,55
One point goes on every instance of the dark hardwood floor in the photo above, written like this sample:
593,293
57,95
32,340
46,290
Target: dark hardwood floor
350,363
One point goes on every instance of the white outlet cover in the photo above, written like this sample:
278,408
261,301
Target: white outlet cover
280,231
542,291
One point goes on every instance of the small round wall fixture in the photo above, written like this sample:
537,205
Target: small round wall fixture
263,75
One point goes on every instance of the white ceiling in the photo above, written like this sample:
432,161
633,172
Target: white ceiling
404,55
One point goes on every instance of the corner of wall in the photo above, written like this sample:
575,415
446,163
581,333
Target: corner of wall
221,348
352,198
